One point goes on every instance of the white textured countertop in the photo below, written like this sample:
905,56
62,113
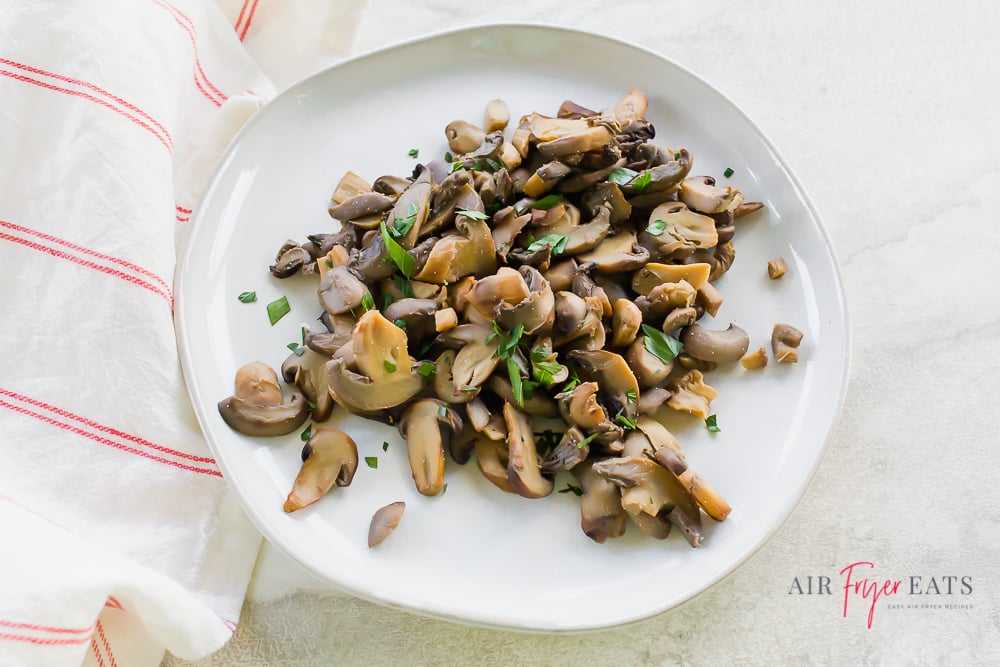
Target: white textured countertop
889,114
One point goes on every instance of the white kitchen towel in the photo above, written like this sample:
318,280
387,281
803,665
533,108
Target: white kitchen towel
119,536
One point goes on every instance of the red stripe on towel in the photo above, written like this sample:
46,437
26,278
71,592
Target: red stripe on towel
188,26
246,26
47,628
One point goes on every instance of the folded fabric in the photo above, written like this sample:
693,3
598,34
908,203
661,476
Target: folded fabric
121,538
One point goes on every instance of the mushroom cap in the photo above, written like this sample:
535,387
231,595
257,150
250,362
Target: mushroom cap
701,194
259,407
716,346
491,457
384,521
423,426
329,457
616,254
601,512
523,469
615,379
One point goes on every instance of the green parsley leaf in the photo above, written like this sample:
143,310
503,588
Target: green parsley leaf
545,371
570,488
444,489
728,172
328,262
455,166
448,157
493,163
387,301
631,395
469,387
657,227
624,419
306,434
385,445
665,347
677,156
557,241
402,226
310,405
278,309
372,462
711,425
426,368
547,439
540,354
247,297
515,381
296,348
586,441
397,253
473,215
389,366
413,152
546,202
368,302
574,380
400,323
642,181
404,285
622,175
508,341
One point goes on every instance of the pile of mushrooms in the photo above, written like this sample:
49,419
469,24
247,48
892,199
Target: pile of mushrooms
553,276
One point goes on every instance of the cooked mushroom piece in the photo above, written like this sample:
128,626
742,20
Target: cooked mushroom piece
570,452
341,290
776,268
601,512
625,323
463,137
426,426
491,457
307,370
523,469
616,254
755,360
685,231
291,257
470,252
614,378
649,488
631,107
532,312
654,274
349,186
709,298
701,194
706,497
384,521
329,457
717,346
785,340
497,115
259,407
362,206
579,406
651,399
690,394
649,369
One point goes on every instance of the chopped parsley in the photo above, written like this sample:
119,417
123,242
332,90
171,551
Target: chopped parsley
426,368
310,405
556,241
570,488
402,226
443,412
296,348
247,297
306,434
400,323
397,253
631,395
403,284
657,227
664,347
389,366
516,384
372,462
448,157
368,302
473,215
712,425
508,340
413,152
278,309
545,371
625,420
642,181
622,175
728,172
385,445
586,441
546,202
677,155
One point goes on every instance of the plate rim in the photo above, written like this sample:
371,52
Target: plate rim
786,509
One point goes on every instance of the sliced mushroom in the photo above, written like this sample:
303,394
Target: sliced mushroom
329,457
580,407
601,512
649,369
616,254
290,259
545,178
614,378
653,274
349,186
747,208
716,346
785,340
307,371
609,195
522,457
532,312
360,206
497,115
384,521
426,425
690,394
539,404
685,230
776,268
579,237
709,298
570,452
476,360
444,383
491,457
588,139
679,317
463,137
625,323
701,194
470,252
259,407
631,107
706,497
390,185
341,290
755,360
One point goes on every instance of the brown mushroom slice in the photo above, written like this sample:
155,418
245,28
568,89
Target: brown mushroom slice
539,404
475,361
463,137
716,346
690,394
259,407
532,312
507,285
560,275
445,319
613,376
570,452
616,254
632,106
679,317
423,426
329,458
707,498
785,340
755,360
648,368
497,115
460,445
362,206
471,252
607,194
665,298
414,315
307,371
384,521
626,319
579,237
776,268
444,384
701,194
583,180
723,255
579,406
576,331
349,186
589,139
650,489
709,298
491,457
601,512
341,290
523,469
654,274
546,128
414,204
651,399
506,226
391,185
545,178
290,259
658,435
685,229
747,208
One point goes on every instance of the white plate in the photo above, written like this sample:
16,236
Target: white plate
476,554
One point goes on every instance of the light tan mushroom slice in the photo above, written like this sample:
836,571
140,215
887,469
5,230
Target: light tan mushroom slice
258,406
497,115
539,404
601,512
329,457
571,450
546,128
590,139
506,226
654,274
471,252
709,298
379,346
776,268
649,488
691,230
475,362
349,186
651,400
616,382
631,107
648,368
534,311
507,285
423,425
510,156
307,371
715,346
706,497
785,341
384,521
523,469
414,203
625,322
444,383
580,237
491,457
658,435
580,407
341,290
560,275
617,254
701,194
463,137
578,323
666,298
747,208
690,394
755,360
